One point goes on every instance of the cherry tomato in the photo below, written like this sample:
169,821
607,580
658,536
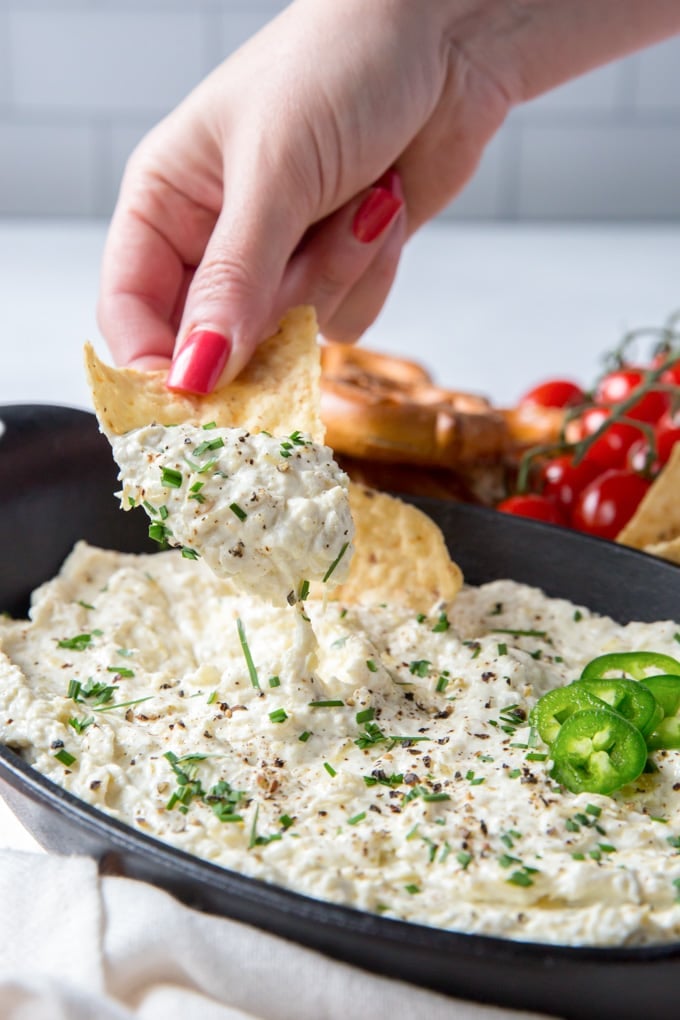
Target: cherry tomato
619,385
672,374
610,450
636,458
606,505
555,393
667,435
561,480
537,507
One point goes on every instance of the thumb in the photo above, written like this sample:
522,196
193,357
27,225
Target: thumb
228,307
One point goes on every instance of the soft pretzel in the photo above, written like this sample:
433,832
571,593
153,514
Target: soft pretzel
388,409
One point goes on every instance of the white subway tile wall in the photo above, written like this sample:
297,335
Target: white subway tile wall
81,81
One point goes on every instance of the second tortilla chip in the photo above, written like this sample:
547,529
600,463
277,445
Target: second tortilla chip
400,556
657,518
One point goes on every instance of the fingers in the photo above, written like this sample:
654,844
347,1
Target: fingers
156,233
362,303
355,249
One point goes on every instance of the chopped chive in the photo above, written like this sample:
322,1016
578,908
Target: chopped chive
80,725
209,425
502,648
304,737
274,681
212,697
189,554
123,704
171,477
236,509
329,769
594,810
442,624
286,821
442,684
303,593
326,704
419,667
463,858
78,643
578,615
159,533
535,756
421,617
121,671
124,651
85,605
279,715
246,653
208,444
335,562
412,889
366,715
435,798
370,664
578,856
514,773
520,878
356,818
64,757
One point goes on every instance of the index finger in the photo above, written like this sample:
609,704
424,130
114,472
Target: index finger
151,252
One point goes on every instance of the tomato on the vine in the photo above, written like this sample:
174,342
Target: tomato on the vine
531,505
561,480
606,505
637,458
610,449
555,393
620,385
667,435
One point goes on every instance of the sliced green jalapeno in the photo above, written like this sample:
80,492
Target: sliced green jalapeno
630,698
555,707
597,751
633,663
666,734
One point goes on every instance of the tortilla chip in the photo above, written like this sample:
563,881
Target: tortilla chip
400,556
657,518
666,550
277,391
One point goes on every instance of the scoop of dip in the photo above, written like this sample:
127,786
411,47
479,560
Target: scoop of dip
272,511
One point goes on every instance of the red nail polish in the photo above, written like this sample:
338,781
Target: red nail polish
199,362
377,211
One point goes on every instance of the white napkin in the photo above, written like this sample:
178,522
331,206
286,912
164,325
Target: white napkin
77,946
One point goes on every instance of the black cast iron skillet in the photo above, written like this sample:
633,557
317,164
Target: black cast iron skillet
56,485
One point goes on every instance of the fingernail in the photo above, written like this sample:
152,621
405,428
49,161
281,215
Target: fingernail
199,362
378,209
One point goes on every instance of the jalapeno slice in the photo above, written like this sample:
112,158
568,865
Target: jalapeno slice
635,664
597,751
666,734
554,708
630,698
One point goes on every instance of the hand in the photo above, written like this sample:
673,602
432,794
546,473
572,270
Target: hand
268,188
294,173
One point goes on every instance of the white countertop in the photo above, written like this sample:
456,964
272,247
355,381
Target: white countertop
492,308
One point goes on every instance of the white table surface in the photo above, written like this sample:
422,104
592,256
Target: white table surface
488,308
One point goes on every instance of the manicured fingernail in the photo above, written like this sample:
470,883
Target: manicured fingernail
378,209
199,362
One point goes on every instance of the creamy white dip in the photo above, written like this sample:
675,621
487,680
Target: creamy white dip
272,511
389,770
